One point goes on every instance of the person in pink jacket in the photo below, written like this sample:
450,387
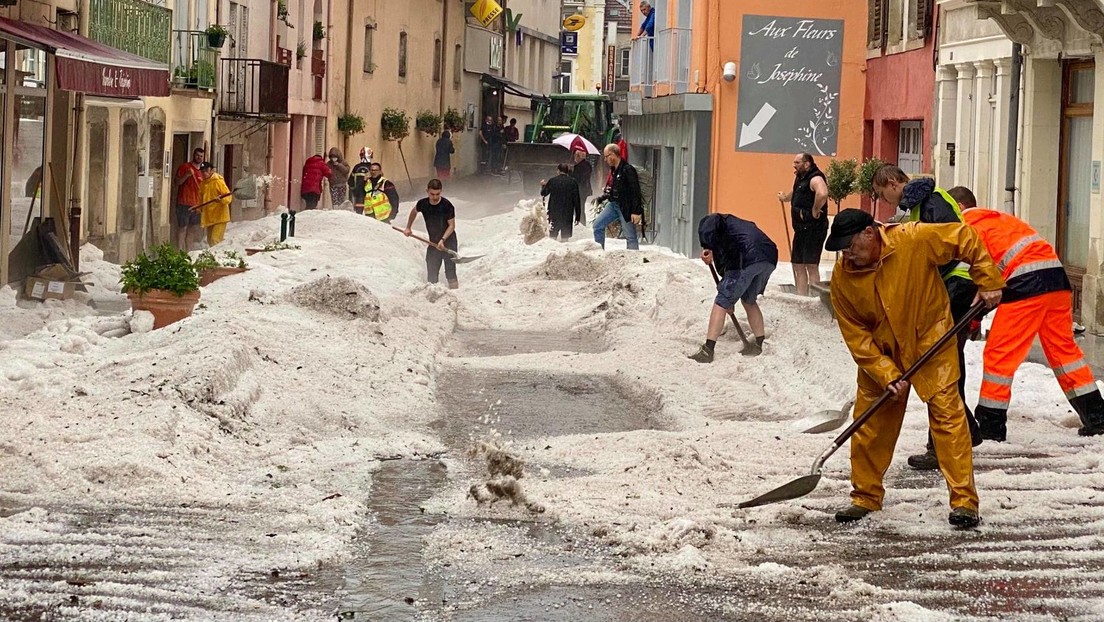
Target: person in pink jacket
310,188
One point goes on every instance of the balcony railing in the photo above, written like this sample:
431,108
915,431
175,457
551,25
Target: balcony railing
641,70
134,26
195,64
672,58
253,88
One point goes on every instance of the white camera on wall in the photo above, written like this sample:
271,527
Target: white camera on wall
729,71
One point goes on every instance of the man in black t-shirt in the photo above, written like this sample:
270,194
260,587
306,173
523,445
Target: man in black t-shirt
440,221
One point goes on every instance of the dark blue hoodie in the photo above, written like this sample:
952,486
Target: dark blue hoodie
736,243
921,194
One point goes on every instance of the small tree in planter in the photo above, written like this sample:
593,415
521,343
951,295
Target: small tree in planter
162,281
212,268
350,124
396,126
319,32
453,120
216,36
841,177
428,123
864,185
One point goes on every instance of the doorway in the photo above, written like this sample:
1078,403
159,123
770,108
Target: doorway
1075,172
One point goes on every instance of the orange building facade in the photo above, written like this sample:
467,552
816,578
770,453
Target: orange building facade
724,94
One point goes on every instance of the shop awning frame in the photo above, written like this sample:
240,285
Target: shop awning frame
513,88
87,66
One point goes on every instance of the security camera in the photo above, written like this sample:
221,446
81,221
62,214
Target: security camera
729,71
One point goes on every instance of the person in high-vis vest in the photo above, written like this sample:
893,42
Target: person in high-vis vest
926,203
891,307
381,198
1037,302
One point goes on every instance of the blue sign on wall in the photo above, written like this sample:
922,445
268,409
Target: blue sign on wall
569,42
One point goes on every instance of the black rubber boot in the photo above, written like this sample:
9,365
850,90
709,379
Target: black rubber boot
1090,408
925,461
964,518
993,423
851,514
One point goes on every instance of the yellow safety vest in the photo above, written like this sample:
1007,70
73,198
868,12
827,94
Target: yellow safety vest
962,269
376,202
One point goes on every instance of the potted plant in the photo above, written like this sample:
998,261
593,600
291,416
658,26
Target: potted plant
216,36
164,282
395,124
453,120
211,268
428,123
282,13
841,176
319,31
202,74
864,185
350,124
300,53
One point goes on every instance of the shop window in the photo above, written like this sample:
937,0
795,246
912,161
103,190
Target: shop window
28,191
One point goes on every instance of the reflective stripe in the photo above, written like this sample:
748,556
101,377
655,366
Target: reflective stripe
961,270
1034,266
1081,390
995,379
1070,367
988,403
1015,249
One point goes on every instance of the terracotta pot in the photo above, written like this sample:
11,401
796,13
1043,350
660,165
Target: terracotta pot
165,306
206,277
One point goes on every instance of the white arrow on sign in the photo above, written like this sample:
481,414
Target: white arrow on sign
750,132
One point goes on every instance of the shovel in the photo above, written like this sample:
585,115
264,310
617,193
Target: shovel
825,420
804,485
456,258
214,200
732,315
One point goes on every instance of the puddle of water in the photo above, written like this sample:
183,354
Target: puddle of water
507,342
384,582
530,405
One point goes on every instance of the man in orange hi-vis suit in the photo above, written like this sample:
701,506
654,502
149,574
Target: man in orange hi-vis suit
1037,301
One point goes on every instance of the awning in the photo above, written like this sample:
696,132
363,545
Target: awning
512,88
88,66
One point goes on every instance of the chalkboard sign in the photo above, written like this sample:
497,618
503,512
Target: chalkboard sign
789,85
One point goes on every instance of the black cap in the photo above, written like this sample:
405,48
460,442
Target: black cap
206,166
847,223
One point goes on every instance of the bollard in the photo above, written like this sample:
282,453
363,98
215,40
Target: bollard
283,227
291,225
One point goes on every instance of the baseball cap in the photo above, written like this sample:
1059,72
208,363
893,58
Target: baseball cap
206,166
847,223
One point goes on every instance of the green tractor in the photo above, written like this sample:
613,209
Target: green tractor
590,116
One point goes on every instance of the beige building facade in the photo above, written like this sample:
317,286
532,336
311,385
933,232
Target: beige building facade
1060,124
406,56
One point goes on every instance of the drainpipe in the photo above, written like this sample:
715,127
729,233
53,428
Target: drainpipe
348,74
445,46
1013,130
77,180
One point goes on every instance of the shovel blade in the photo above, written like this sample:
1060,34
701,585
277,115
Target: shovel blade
826,420
466,259
797,488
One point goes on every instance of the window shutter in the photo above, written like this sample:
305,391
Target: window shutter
924,17
875,29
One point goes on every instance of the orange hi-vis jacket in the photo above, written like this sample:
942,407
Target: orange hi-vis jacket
1028,263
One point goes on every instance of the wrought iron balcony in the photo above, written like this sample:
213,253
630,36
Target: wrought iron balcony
253,89
133,26
195,64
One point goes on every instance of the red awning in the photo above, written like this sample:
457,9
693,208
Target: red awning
88,66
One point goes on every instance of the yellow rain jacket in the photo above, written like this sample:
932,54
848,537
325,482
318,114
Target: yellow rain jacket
219,211
891,313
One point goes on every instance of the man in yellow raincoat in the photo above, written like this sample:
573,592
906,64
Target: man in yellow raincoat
891,306
214,197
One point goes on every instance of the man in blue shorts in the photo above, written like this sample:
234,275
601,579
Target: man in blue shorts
745,257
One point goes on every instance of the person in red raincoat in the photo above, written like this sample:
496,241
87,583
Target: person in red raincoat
310,188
